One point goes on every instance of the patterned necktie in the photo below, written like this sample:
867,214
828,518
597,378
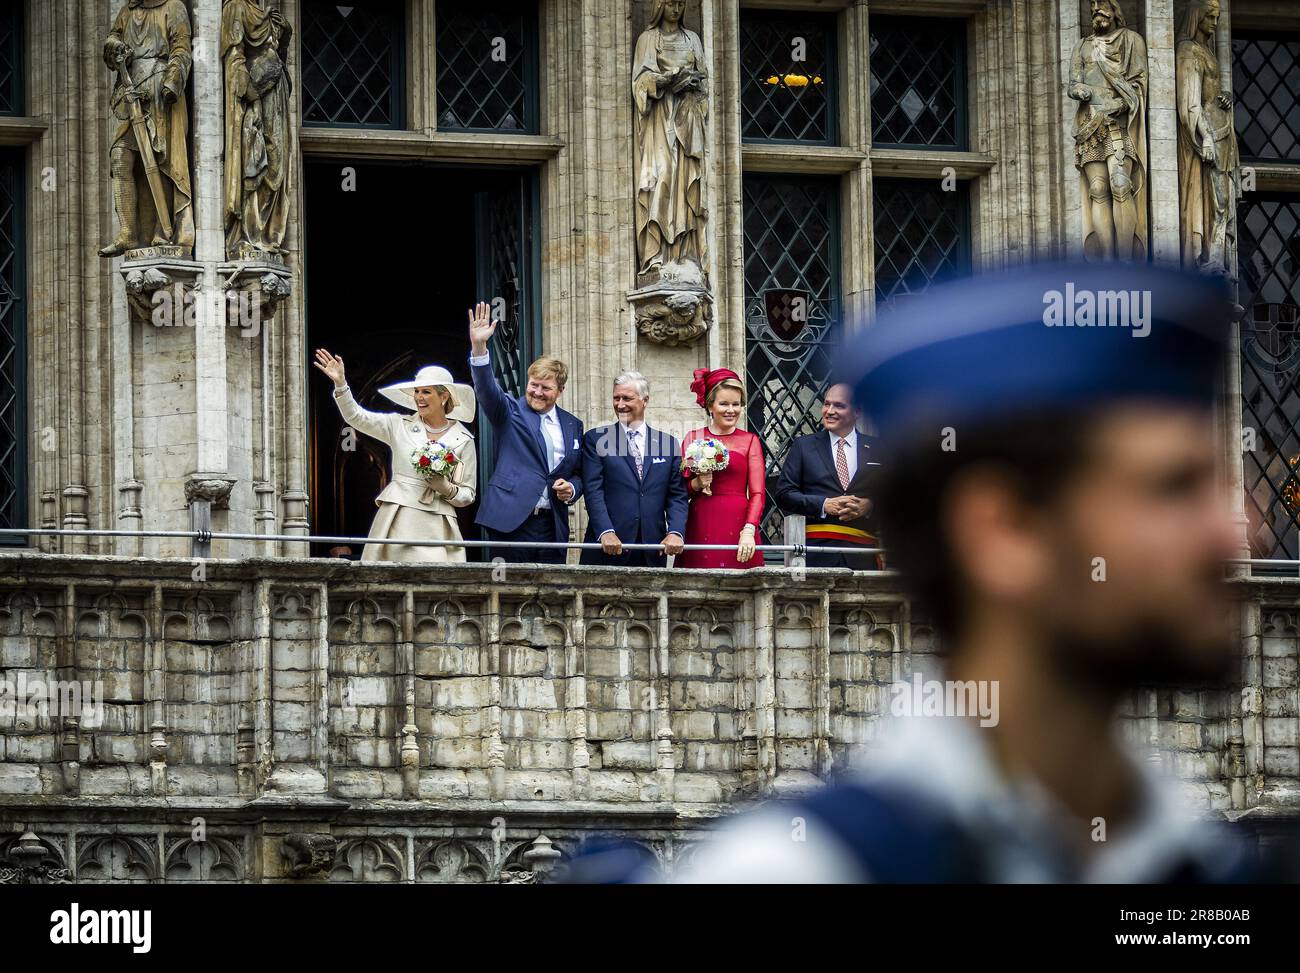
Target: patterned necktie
633,441
841,465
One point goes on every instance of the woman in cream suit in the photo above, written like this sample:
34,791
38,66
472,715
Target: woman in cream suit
411,507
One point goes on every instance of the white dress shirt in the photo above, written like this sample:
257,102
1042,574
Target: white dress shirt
555,449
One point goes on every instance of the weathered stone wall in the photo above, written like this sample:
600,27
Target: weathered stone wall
277,696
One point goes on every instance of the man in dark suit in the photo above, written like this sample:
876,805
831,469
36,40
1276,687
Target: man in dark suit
828,477
538,450
632,479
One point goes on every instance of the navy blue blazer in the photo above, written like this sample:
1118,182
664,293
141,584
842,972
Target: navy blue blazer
521,454
644,510
808,478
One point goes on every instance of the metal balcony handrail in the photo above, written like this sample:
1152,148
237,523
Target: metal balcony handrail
205,538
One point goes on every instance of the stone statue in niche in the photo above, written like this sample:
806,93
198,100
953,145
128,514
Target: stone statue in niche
1108,78
670,112
149,50
259,138
1207,145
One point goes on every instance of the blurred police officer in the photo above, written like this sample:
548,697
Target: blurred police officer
1049,495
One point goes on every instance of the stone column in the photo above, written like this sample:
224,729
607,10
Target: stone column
1162,133
857,239
204,485
1072,200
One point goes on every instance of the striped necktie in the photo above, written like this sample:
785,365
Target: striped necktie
841,464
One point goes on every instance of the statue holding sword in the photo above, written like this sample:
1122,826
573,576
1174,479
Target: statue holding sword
149,49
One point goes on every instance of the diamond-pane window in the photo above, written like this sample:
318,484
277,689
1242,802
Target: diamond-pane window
487,66
13,394
1269,259
918,82
921,236
792,260
787,66
1266,90
11,59
352,63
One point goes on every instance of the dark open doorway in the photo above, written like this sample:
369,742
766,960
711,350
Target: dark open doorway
394,255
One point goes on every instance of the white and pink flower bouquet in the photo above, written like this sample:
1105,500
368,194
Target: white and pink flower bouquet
706,456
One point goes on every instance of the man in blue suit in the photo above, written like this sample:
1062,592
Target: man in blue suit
538,450
632,478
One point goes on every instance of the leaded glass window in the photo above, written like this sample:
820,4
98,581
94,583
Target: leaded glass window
352,63
487,65
11,59
918,82
792,304
787,64
1266,87
921,235
13,393
1269,262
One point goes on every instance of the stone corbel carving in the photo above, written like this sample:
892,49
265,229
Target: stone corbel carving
161,290
670,111
673,314
213,488
254,291
307,855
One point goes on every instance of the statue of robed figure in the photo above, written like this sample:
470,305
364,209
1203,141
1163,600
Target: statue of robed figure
259,140
1207,145
149,49
669,93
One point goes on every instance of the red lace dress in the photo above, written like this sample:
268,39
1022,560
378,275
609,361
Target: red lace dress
737,500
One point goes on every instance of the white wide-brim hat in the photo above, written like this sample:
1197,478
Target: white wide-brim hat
403,393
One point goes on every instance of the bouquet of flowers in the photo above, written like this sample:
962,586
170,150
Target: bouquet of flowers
434,459
706,456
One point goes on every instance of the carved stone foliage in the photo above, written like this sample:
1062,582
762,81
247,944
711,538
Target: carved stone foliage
28,859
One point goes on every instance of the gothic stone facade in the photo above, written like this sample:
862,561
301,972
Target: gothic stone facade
272,717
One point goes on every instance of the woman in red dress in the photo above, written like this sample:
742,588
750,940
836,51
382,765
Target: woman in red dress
727,506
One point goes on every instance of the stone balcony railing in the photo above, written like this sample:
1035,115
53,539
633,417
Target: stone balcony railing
612,698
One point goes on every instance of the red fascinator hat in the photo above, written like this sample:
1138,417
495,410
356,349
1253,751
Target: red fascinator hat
707,378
